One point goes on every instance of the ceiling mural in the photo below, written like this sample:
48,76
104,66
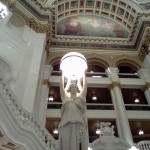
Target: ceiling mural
115,24
89,25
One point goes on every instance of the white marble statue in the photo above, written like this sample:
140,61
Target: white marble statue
73,132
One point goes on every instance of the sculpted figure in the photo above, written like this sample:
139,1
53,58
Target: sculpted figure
73,133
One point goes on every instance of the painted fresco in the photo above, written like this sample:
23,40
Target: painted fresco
94,26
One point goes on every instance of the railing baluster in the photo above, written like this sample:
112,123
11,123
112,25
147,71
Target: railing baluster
144,145
25,119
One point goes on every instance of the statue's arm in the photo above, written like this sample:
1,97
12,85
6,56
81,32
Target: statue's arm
84,86
84,89
63,91
79,85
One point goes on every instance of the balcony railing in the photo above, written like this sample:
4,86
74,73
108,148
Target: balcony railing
96,106
25,120
128,75
102,106
101,74
144,145
93,106
88,74
139,107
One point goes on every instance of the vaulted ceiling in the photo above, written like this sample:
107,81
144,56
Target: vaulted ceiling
97,24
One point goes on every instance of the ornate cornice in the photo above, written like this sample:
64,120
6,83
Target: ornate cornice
144,46
9,3
41,28
145,86
114,84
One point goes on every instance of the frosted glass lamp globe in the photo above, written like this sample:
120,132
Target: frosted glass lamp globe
73,65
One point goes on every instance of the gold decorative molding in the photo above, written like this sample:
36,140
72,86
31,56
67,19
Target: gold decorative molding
114,84
145,86
41,28
9,3
46,82
144,46
38,27
143,51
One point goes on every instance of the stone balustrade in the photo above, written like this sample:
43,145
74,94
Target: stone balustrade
25,119
144,145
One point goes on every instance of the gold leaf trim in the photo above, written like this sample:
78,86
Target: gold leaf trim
144,46
41,28
114,84
145,86
46,82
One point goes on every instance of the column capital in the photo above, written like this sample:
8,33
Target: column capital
46,82
145,86
114,84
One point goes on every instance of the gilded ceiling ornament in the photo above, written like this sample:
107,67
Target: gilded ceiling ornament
114,84
143,51
41,28
145,86
144,46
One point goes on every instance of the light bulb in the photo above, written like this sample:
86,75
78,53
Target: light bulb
98,131
94,98
141,132
51,98
55,131
136,100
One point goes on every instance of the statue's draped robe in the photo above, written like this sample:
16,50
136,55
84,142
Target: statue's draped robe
73,125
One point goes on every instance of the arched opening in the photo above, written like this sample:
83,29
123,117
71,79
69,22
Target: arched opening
127,69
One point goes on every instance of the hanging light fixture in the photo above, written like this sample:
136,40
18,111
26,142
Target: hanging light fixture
141,132
98,131
136,100
94,98
73,65
55,131
3,11
51,98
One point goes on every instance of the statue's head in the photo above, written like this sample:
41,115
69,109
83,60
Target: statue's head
73,89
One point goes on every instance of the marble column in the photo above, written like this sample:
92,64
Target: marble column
44,93
122,119
143,73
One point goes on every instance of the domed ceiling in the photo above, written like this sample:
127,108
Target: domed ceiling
96,24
